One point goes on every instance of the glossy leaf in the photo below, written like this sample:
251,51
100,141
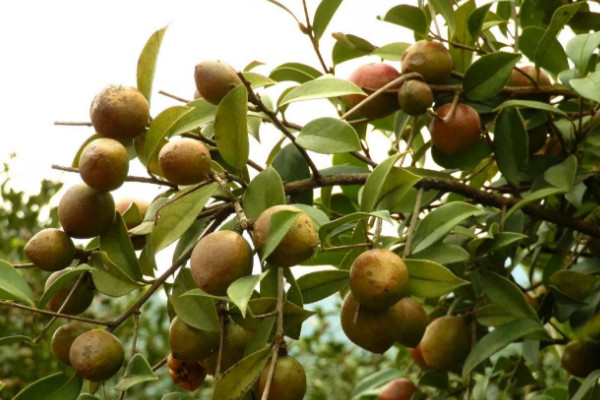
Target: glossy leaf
231,127
476,20
319,285
320,89
409,17
202,112
161,128
281,222
258,80
443,253
13,286
115,241
9,340
430,280
240,378
179,214
323,16
264,191
488,75
241,290
445,9
108,278
530,198
511,144
53,387
588,87
439,222
462,57
68,276
146,66
292,166
328,136
555,59
581,48
138,371
504,293
348,47
590,383
330,227
295,72
498,339
562,176
391,51
538,105
199,312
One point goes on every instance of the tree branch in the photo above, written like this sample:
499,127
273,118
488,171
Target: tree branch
140,179
7,303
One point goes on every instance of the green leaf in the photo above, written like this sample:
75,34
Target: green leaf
591,381
258,80
323,16
430,280
330,227
555,59
293,318
117,244
439,222
281,222
392,51
138,371
13,286
409,17
240,378
462,57
202,112
562,176
588,87
329,136
386,181
198,312
88,396
264,191
179,214
504,293
348,46
53,387
262,335
375,380
444,7
581,48
108,278
146,66
498,339
294,72
319,285
321,88
443,253
511,144
241,290
530,198
160,128
9,340
476,20
68,276
201,293
538,105
560,17
488,75
231,127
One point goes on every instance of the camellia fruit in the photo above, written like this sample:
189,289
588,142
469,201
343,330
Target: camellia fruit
84,212
185,161
191,344
96,355
133,219
534,77
79,301
413,324
580,357
398,389
378,278
430,59
288,383
218,259
446,343
63,338
189,375
214,79
296,246
103,164
415,97
459,134
371,77
50,250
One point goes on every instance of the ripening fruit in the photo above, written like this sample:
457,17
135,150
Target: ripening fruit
581,357
371,77
517,78
296,246
214,79
415,97
378,278
418,359
50,250
398,389
78,303
431,59
103,164
289,380
414,322
142,205
185,161
459,134
373,330
189,375
120,112
96,355
219,259
84,212
446,343
191,344
234,344
63,338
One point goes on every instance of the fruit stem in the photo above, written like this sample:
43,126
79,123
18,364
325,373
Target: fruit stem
222,323
313,40
413,223
434,19
377,234
453,106
243,223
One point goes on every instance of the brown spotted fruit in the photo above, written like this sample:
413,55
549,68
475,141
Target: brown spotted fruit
459,133
96,355
84,212
120,112
50,250
214,79
63,338
189,375
288,382
446,343
191,344
430,59
185,161
103,164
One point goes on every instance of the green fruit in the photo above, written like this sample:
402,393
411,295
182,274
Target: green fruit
191,344
84,212
50,250
103,164
120,112
446,343
234,344
373,330
398,389
214,79
63,338
288,383
185,161
219,259
459,134
431,59
378,278
79,301
371,77
296,246
415,97
96,355
581,357
414,322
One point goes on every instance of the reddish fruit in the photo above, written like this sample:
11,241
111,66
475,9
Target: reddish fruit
534,76
398,389
459,134
371,77
430,59
417,357
189,375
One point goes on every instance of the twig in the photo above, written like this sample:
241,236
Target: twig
67,123
173,96
23,266
315,43
53,314
140,179
413,223
136,327
159,364
378,228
